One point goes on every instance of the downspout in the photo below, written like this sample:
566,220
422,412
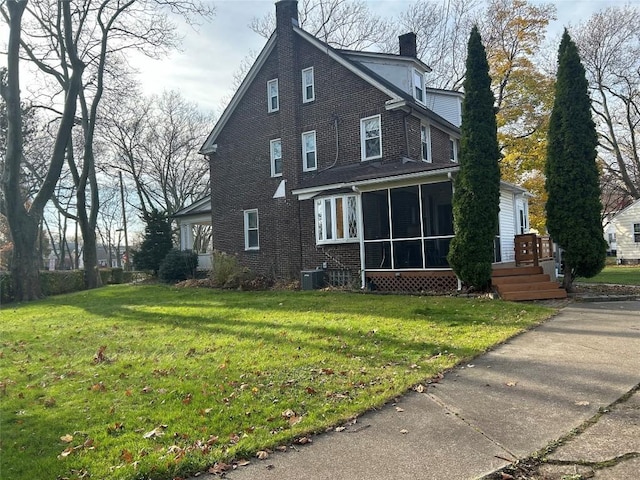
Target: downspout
406,131
335,160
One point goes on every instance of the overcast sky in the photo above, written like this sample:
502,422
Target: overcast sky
204,70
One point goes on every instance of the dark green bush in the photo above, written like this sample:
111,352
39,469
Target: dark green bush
178,265
6,294
56,282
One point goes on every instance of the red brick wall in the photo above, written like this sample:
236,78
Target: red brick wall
240,169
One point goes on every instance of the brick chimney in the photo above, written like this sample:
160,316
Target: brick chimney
408,45
286,14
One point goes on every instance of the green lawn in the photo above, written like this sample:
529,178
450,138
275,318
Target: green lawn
621,275
156,382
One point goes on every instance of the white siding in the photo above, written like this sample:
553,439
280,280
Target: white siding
447,105
623,222
399,75
507,225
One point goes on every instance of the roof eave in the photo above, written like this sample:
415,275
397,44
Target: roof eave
208,146
310,192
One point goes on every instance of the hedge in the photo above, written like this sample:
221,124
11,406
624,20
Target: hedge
56,282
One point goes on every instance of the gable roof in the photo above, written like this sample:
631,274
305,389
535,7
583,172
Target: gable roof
398,98
635,203
202,205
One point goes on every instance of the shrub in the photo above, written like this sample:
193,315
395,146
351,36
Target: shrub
55,282
226,272
6,293
178,265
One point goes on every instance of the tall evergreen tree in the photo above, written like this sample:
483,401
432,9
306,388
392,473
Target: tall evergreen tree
574,206
476,197
156,244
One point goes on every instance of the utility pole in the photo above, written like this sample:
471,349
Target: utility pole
124,224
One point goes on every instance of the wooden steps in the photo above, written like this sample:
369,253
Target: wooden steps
525,283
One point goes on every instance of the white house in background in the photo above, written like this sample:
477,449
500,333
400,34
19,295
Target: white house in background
190,219
626,225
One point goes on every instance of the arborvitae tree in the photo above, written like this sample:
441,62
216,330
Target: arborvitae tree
476,197
574,206
156,244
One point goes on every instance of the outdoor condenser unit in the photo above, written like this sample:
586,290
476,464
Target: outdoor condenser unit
311,279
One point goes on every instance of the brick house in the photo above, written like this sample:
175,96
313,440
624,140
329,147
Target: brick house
342,160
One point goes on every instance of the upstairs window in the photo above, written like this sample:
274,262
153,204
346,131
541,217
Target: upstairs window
276,157
425,142
418,86
251,235
273,98
309,156
336,219
371,138
454,149
308,88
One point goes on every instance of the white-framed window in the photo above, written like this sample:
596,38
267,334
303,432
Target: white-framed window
309,154
308,86
337,219
371,138
273,97
636,232
454,149
425,143
418,86
251,234
275,146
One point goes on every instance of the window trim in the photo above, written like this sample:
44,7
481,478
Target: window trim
246,213
455,150
320,202
635,233
270,109
306,99
417,73
363,148
426,129
305,167
273,158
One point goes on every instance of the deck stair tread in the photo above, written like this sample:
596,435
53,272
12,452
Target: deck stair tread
525,283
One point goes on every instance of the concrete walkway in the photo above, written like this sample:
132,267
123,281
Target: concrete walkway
511,402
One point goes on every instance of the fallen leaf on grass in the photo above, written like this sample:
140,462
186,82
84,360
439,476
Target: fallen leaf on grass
187,399
126,456
50,402
99,357
98,387
294,420
156,432
67,438
303,440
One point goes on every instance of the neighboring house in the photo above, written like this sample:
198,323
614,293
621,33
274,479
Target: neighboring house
342,160
626,225
190,221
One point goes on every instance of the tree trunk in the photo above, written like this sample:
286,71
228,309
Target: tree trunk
25,265
567,281
92,277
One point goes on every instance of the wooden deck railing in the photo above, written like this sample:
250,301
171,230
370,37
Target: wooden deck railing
531,249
